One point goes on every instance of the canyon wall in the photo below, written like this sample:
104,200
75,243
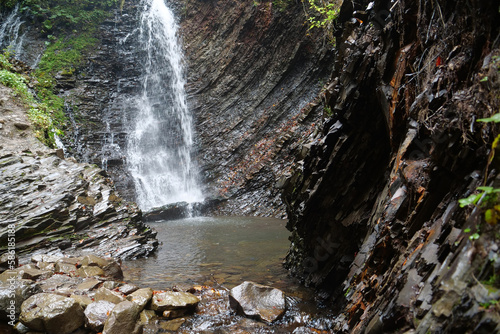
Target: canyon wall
252,90
372,207
254,71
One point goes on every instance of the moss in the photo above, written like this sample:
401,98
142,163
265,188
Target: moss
71,28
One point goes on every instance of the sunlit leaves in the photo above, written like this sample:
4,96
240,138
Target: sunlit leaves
495,118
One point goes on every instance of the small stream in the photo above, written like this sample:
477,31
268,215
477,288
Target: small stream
222,252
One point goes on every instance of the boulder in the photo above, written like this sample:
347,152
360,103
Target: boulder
127,289
97,313
83,300
65,268
51,313
173,304
108,295
94,260
89,271
45,258
88,284
147,316
11,305
141,297
34,274
258,301
168,212
113,270
123,319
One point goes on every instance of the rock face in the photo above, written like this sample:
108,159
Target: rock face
51,313
55,204
372,205
67,207
252,69
258,301
249,87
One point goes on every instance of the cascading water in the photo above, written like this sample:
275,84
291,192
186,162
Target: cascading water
11,37
161,138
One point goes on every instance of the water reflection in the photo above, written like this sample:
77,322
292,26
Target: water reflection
225,250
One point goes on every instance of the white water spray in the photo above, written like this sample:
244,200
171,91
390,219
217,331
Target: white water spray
11,37
161,139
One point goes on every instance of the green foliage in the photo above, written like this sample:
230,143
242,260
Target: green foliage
324,13
7,4
328,111
70,27
45,113
495,118
489,194
487,197
65,54
4,62
60,15
280,4
16,82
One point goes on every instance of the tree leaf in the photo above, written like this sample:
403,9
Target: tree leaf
495,118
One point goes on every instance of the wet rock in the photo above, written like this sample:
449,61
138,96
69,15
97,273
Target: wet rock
97,313
44,258
88,284
82,300
8,261
93,260
171,325
65,268
109,295
173,304
258,301
147,317
48,215
123,319
90,271
168,212
141,297
11,304
113,270
127,289
51,313
34,274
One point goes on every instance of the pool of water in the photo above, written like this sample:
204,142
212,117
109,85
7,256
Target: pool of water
221,250
218,253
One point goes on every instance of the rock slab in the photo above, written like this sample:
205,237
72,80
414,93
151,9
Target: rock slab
258,301
51,313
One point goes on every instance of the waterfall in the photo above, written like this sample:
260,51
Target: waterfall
11,36
161,131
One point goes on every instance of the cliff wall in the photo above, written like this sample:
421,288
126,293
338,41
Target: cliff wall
253,71
373,206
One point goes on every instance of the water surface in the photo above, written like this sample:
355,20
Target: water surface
223,250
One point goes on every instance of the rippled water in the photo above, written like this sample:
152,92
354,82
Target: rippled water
225,250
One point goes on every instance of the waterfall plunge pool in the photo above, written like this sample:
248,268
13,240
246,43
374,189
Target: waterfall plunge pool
223,252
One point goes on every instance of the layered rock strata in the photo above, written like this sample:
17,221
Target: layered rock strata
57,205
373,205
253,70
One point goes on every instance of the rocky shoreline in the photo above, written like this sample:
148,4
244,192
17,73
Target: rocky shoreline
63,295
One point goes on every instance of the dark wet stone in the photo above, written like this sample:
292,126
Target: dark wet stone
258,301
51,313
97,313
